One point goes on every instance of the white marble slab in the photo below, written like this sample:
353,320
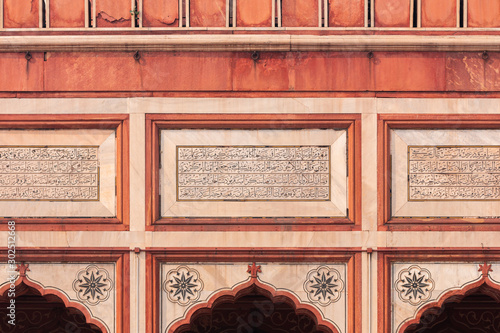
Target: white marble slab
104,139
287,277
402,207
335,139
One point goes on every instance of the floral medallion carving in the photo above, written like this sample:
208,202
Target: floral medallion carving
414,285
93,285
183,285
324,285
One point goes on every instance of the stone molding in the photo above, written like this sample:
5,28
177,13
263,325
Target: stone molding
247,42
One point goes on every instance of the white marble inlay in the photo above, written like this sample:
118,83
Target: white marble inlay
253,173
93,168
59,173
453,173
440,172
318,202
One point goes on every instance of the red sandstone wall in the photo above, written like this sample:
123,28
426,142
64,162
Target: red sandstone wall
236,72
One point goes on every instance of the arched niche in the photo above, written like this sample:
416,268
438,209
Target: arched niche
39,309
253,307
474,308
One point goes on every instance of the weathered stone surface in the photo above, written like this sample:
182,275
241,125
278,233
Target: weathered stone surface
483,13
442,13
187,71
20,13
270,72
492,72
67,14
465,72
155,71
300,72
17,74
299,13
254,13
409,72
103,71
236,71
468,71
160,13
347,13
273,71
207,13
331,71
392,13
113,13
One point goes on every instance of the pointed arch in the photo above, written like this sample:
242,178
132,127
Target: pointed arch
23,284
484,285
250,286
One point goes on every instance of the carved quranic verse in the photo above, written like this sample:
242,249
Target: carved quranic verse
52,173
253,173
453,173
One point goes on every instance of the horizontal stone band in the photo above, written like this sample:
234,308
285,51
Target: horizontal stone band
247,42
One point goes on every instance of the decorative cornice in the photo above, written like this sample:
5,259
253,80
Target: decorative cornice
247,42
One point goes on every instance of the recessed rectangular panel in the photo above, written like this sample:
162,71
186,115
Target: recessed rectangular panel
49,173
445,173
453,173
253,173
58,173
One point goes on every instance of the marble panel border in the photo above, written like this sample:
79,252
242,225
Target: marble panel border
157,122
120,124
388,122
119,256
155,257
388,256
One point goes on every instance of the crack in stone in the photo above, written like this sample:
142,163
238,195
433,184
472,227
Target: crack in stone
104,16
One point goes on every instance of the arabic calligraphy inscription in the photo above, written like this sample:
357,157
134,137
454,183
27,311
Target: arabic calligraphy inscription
453,173
54,173
253,173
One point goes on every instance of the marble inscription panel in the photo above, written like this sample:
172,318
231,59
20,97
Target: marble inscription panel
236,161
253,173
49,173
453,173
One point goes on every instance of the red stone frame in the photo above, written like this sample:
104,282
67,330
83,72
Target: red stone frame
119,256
386,256
388,122
156,256
80,121
156,122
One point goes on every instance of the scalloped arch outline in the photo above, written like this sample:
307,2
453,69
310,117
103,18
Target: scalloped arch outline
264,289
23,279
484,284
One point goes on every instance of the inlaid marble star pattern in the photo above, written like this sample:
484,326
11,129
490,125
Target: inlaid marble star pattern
93,285
183,285
414,285
323,285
